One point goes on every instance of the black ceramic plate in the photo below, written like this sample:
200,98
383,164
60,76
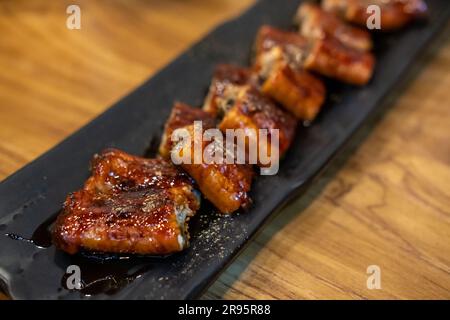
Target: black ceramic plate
33,195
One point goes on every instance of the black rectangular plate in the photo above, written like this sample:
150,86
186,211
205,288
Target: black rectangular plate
36,192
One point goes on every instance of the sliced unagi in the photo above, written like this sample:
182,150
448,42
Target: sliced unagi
316,23
228,80
328,56
332,59
395,14
225,185
278,62
182,115
129,205
254,111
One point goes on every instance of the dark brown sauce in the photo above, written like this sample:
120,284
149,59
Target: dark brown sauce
41,237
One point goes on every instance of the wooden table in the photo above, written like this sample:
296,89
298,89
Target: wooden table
385,203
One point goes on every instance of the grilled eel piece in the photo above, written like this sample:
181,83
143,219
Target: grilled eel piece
295,89
228,80
224,185
243,107
395,14
294,49
128,205
278,63
316,23
332,59
299,92
252,110
327,56
182,115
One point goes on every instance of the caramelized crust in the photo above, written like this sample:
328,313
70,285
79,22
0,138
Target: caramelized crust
128,205
299,92
395,14
269,37
254,111
293,46
228,80
225,185
332,59
182,115
318,24
279,64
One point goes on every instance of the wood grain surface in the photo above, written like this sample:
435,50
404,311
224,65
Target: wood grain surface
385,201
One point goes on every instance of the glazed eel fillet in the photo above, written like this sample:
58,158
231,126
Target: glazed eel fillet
225,185
252,110
299,92
135,205
327,56
181,116
395,14
227,82
235,98
128,205
278,62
